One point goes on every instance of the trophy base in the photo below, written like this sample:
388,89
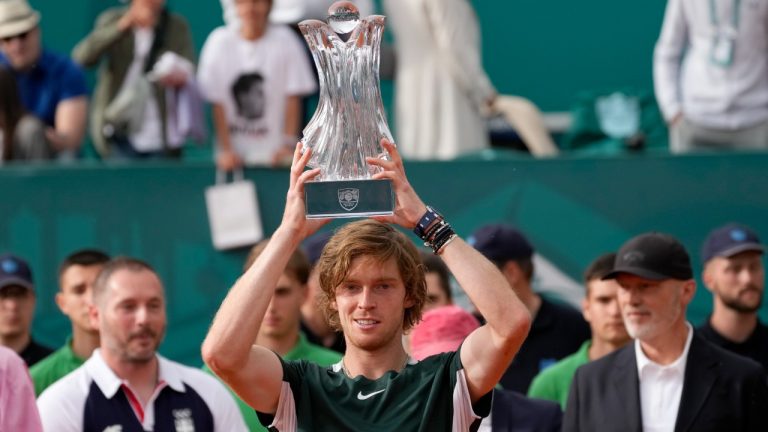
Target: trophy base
349,198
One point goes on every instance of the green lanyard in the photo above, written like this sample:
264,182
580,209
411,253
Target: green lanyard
734,15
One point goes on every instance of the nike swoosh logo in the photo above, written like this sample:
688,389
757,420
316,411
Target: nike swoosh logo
361,396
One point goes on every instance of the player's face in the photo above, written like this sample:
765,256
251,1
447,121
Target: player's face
601,310
737,281
131,316
17,306
284,311
74,299
371,302
650,307
436,296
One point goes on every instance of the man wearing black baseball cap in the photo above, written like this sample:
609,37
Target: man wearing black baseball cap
557,330
669,378
733,271
17,306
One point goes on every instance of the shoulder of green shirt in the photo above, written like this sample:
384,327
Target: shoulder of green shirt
52,368
305,350
550,382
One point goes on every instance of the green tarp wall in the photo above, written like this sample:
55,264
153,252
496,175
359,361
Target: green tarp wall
572,209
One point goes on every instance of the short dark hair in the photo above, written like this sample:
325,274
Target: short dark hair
434,264
525,264
111,267
598,268
83,257
297,266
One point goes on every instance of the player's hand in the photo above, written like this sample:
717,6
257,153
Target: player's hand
409,208
294,216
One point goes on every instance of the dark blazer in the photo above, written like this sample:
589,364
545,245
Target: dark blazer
721,391
513,412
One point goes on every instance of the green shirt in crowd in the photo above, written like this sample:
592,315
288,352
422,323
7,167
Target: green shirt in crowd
303,350
55,366
554,382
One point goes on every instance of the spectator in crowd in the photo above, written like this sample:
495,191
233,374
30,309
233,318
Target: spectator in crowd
18,411
443,95
254,76
125,385
443,329
374,290
710,71
734,273
442,91
669,378
314,323
130,116
557,330
77,275
17,307
279,331
601,310
22,135
52,87
438,281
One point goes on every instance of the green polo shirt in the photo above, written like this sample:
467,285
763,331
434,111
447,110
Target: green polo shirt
55,366
554,382
303,350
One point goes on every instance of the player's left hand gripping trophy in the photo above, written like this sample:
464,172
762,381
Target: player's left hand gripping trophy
349,121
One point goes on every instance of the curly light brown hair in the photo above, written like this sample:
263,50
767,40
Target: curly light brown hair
369,238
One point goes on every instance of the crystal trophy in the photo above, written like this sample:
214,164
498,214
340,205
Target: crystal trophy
349,121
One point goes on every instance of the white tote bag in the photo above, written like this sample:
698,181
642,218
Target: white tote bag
233,212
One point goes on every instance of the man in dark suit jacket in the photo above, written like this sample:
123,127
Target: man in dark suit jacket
669,378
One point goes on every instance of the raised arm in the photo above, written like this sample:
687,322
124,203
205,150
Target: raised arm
488,351
254,372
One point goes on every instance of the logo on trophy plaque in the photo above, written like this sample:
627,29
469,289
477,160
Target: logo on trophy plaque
349,122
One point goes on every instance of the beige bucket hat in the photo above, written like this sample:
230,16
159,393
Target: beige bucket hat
16,17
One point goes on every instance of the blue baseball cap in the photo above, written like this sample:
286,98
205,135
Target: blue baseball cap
15,271
501,243
729,240
313,245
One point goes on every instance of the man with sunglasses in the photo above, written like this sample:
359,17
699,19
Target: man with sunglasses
52,86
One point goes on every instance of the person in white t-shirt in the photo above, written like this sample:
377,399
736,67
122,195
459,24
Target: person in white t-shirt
254,76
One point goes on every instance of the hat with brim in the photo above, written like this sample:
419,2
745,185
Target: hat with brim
16,17
729,240
652,256
16,281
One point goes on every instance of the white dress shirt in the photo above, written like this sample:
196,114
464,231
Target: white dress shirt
661,387
686,79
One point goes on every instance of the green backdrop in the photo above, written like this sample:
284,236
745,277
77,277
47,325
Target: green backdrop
571,208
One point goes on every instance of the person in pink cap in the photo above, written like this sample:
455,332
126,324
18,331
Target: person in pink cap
443,329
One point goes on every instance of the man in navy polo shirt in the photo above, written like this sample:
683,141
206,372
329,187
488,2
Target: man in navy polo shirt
126,385
52,86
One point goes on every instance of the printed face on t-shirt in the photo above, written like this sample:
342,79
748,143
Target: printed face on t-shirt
248,92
